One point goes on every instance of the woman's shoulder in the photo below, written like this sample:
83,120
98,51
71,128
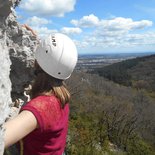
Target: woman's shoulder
42,100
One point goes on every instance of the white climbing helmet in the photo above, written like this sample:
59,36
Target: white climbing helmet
57,55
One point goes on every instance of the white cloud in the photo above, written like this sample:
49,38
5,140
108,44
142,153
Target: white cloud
117,33
86,21
71,30
124,42
141,24
119,27
81,44
48,7
121,23
140,39
129,42
36,21
44,31
115,24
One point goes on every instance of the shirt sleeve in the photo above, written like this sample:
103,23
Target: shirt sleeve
47,111
33,106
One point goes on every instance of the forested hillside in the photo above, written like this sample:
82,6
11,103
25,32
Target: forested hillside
109,118
138,72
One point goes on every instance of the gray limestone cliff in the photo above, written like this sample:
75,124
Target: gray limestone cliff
16,60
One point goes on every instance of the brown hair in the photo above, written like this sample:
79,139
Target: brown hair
44,84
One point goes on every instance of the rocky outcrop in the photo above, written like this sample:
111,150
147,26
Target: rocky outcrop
5,84
21,44
16,49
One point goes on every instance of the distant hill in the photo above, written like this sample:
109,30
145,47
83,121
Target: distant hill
138,72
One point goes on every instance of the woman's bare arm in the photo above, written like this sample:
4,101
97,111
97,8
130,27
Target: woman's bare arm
19,127
30,29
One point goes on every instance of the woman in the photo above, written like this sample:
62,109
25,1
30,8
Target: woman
43,122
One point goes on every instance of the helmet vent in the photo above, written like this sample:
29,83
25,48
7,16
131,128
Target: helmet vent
46,51
59,73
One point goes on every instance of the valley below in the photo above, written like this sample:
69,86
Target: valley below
89,62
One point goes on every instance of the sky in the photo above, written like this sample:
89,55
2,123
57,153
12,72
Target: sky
96,26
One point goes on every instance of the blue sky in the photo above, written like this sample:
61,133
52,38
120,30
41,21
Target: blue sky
96,26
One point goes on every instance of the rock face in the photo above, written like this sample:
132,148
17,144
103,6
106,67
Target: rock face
5,84
16,49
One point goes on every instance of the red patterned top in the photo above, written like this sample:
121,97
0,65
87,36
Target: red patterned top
50,137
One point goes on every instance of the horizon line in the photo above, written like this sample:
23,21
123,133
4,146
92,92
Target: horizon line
117,53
